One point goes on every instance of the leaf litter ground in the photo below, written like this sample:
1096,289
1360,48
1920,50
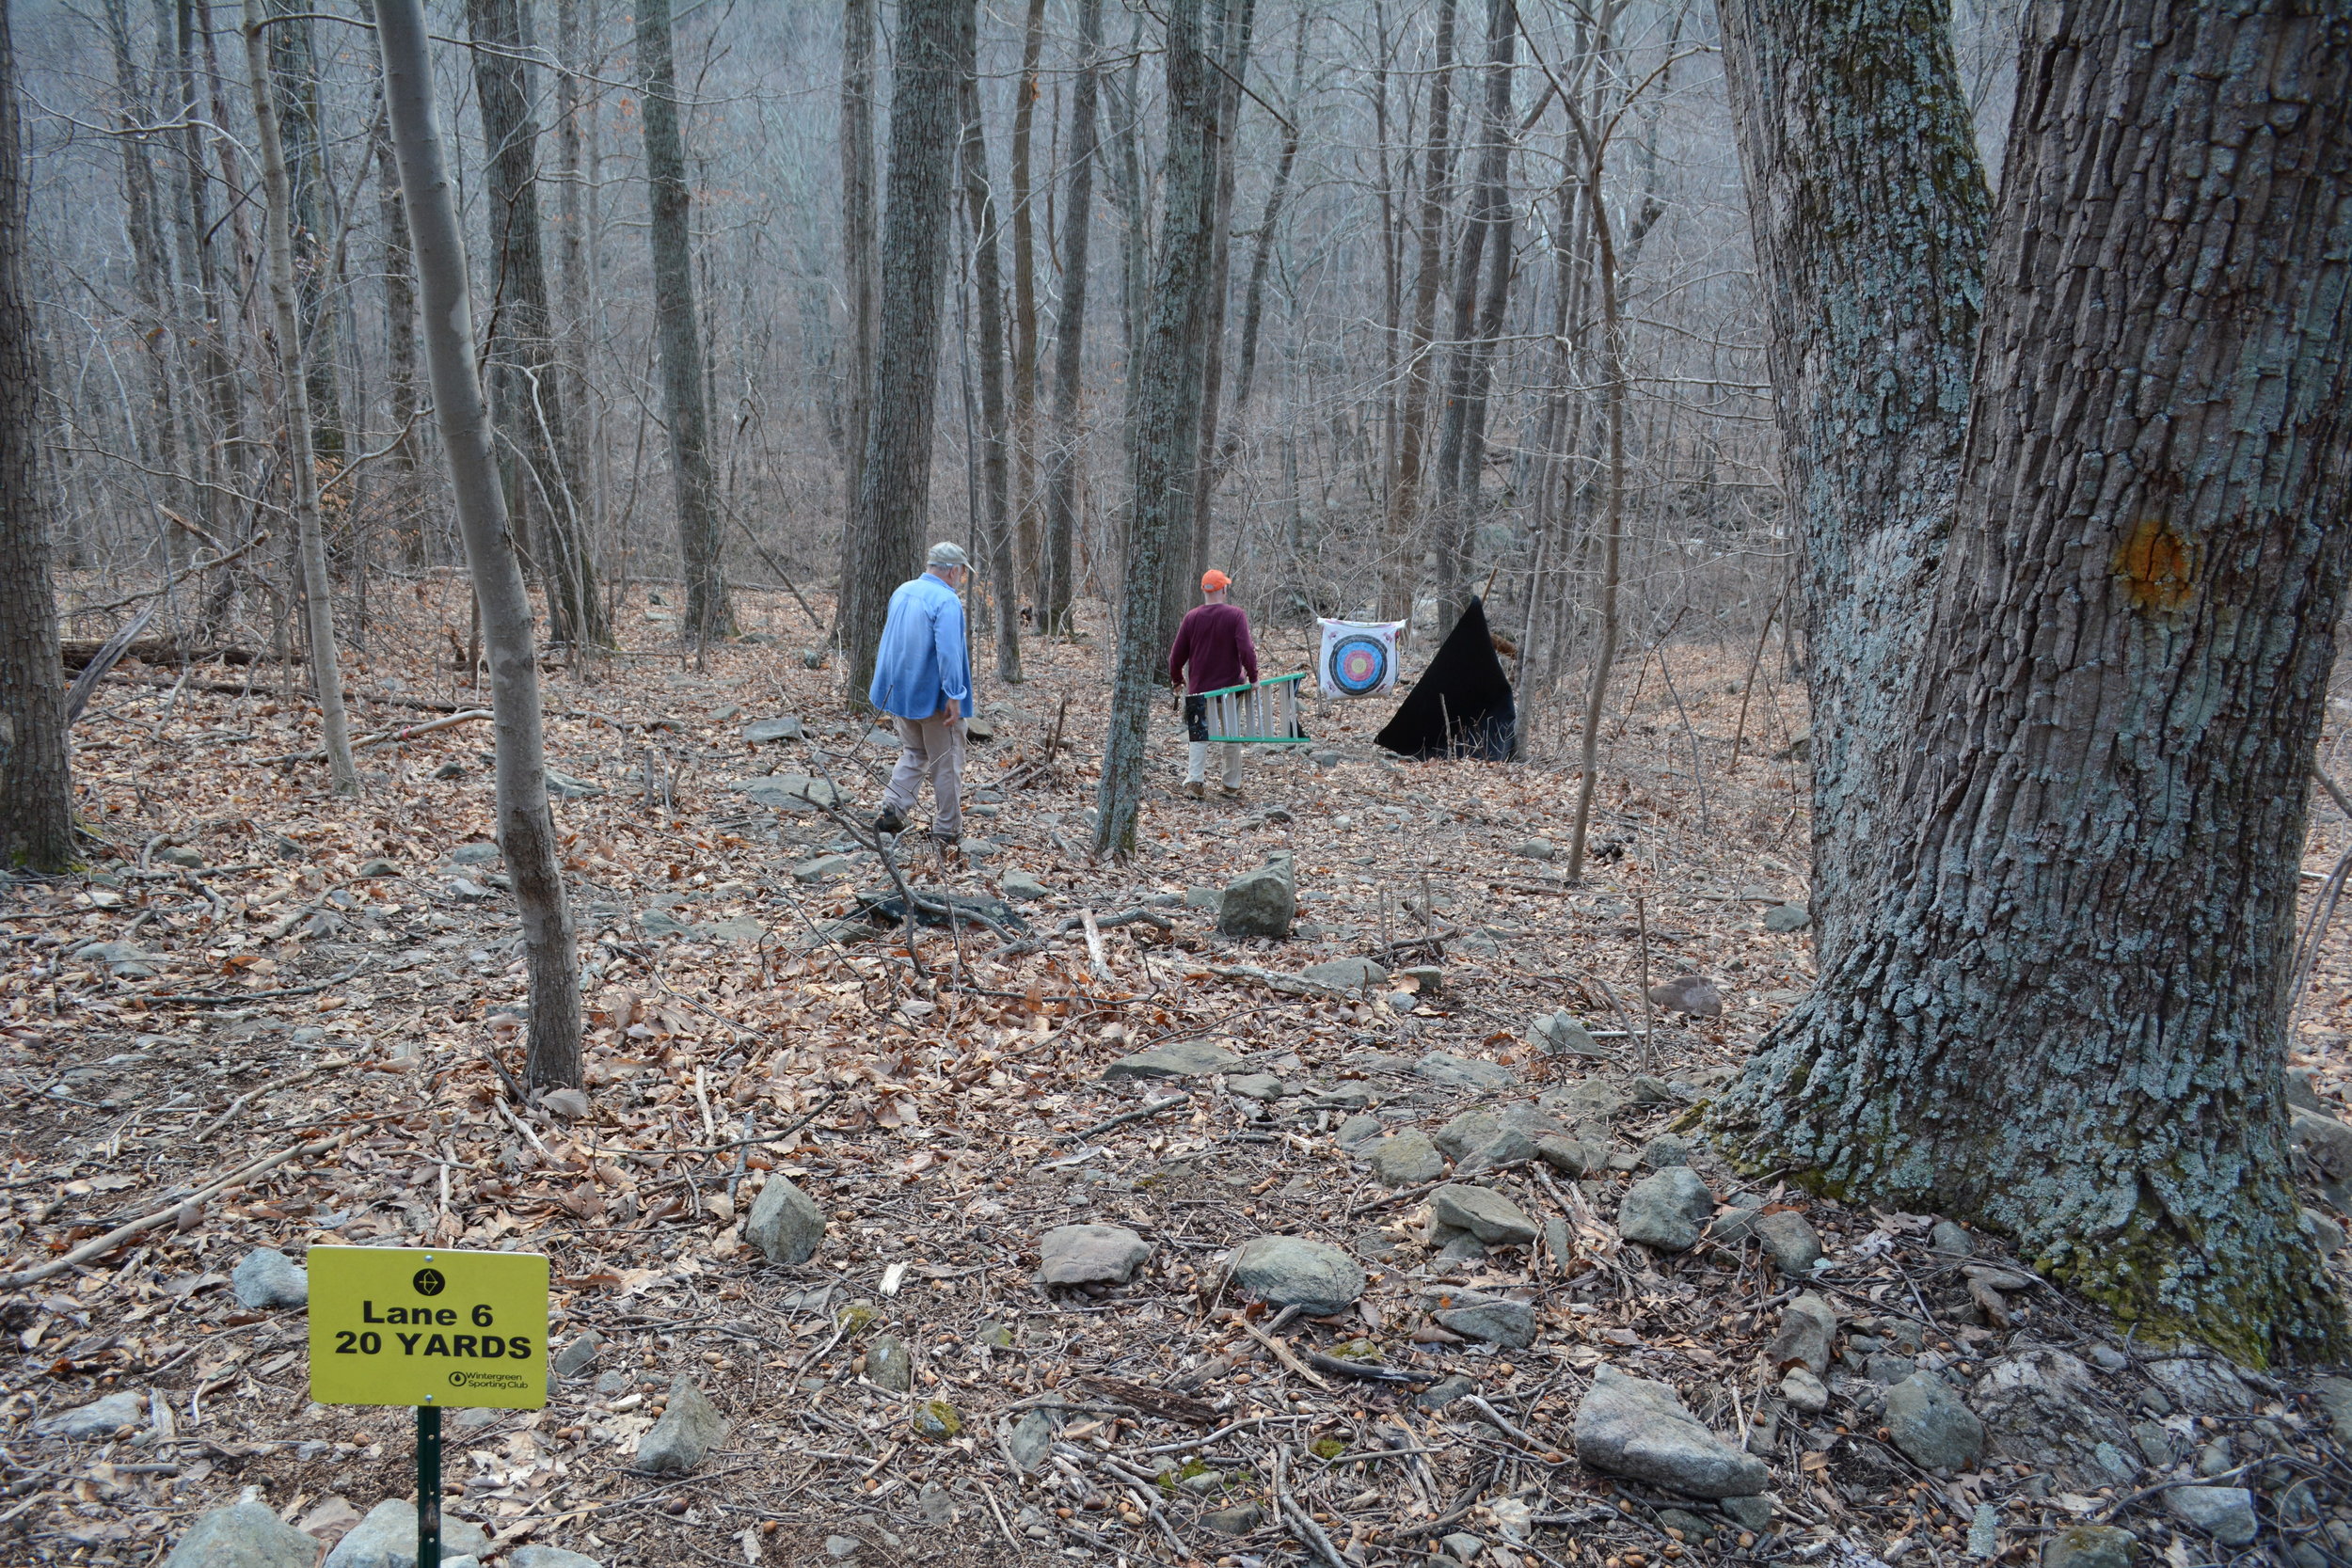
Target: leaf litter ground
253,967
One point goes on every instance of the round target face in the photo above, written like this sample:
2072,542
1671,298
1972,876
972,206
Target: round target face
1360,665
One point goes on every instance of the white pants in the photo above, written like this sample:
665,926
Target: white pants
1197,761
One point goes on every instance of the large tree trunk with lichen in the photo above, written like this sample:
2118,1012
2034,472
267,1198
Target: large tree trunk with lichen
2061,1015
1870,211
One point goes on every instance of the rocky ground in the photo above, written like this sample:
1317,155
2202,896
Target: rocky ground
1094,1231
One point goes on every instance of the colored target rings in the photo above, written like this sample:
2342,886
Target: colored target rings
1360,665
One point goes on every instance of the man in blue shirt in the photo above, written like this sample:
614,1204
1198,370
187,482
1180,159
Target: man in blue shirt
923,680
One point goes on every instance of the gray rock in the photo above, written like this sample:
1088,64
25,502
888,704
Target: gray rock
1667,1211
824,869
1257,1086
1692,994
1648,1090
1752,1514
888,1364
564,788
1240,1519
1461,1547
1495,1321
2326,1234
1887,1370
1181,1059
1347,973
785,1225
1629,1427
2042,1407
741,928
784,727
1091,1255
452,769
549,1557
1584,1102
1931,1426
267,1277
1787,917
1260,903
2224,1513
1444,1393
1951,1240
1493,1218
1806,1394
379,868
102,1417
2155,1445
1510,1147
1406,1160
1466,1132
1358,1133
1790,1241
125,960
1807,1324
661,923
793,792
685,1435
1031,1439
243,1535
1537,849
1666,1150
2333,1395
1022,888
1429,978
1448,1071
2088,1546
1291,1271
476,853
2325,1146
843,1546
2303,1089
387,1538
1570,1156
2203,1384
574,1358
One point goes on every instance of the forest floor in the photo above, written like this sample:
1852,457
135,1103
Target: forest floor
251,966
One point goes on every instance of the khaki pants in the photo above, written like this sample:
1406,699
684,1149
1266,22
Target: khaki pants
1199,745
934,748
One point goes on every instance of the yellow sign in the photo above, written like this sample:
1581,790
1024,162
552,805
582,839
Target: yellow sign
419,1326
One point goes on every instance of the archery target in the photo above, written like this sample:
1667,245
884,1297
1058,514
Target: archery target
1358,658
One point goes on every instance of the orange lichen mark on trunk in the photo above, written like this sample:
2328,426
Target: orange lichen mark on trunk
2157,565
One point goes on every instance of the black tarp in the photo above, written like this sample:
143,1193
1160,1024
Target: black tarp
1461,707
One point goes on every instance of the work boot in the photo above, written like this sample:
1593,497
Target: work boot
890,821
1192,787
1227,792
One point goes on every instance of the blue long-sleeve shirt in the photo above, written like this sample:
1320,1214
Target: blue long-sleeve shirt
922,660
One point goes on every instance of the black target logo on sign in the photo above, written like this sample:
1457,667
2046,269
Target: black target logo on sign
1360,665
429,1282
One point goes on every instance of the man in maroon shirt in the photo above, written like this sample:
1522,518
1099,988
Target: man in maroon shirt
1213,651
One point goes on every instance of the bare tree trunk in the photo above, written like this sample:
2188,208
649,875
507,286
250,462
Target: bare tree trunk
1461,450
527,383
318,590
294,67
989,285
1235,49
708,614
894,492
1613,504
151,263
857,256
1167,433
1262,259
525,826
35,782
1025,339
2062,1013
1065,467
400,340
1400,561
1851,120
575,288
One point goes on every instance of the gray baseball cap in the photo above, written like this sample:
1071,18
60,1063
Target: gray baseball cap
948,554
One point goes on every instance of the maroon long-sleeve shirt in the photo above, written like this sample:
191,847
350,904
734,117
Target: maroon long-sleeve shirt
1213,649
